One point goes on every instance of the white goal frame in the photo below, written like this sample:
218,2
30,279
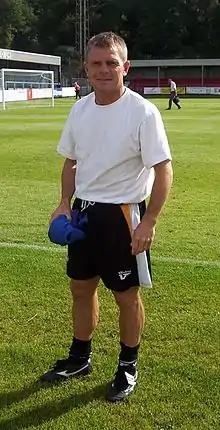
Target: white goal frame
39,72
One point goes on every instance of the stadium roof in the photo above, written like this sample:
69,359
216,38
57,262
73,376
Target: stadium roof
176,62
30,57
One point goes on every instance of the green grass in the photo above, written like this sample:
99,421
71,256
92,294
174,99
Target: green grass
179,362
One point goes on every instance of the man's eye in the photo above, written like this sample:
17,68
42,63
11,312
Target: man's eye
112,63
108,63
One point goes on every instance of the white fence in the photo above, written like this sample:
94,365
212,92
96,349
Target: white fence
184,90
32,94
46,93
203,90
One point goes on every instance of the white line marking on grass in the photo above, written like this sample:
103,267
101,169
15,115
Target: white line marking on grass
30,246
153,257
186,261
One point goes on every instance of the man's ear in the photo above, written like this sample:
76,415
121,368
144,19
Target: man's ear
127,66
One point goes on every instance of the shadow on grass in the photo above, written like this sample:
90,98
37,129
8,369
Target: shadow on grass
50,410
6,399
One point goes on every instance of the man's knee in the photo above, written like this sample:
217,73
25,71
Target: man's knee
83,289
127,298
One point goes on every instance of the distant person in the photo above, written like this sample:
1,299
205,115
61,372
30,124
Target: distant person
78,90
173,95
58,90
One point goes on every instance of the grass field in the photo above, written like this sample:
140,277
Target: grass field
179,378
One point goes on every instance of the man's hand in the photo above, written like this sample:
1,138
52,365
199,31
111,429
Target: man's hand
143,237
64,208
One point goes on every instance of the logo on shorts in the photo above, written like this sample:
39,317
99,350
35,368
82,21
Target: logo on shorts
85,204
123,275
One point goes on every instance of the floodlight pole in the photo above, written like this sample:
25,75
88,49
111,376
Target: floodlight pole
3,88
158,76
52,88
85,26
82,28
202,76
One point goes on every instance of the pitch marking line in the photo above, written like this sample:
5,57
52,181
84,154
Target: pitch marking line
153,257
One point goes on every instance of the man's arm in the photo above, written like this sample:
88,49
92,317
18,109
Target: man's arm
67,189
144,233
155,152
68,181
160,191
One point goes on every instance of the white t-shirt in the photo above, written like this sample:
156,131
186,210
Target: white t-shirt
115,147
172,86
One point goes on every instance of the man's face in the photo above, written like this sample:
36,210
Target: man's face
106,69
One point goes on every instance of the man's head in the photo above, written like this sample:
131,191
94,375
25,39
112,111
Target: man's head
169,81
106,62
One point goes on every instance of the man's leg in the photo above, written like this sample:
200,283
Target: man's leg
170,101
120,274
131,322
177,103
85,320
132,316
85,308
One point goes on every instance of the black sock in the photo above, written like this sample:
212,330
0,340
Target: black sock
80,350
128,354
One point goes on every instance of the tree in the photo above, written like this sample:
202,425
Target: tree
16,22
170,29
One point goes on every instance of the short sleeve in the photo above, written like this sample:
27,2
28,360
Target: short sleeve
153,139
66,145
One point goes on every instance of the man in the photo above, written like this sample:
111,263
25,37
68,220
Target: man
115,147
77,90
173,95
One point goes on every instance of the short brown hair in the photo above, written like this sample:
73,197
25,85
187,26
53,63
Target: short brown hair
108,39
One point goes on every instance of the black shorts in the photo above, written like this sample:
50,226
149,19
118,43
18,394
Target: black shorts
106,250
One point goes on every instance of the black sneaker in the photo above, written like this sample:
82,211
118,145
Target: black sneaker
124,382
65,369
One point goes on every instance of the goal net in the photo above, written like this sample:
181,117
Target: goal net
26,88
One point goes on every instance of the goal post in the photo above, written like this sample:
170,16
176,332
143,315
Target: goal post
29,87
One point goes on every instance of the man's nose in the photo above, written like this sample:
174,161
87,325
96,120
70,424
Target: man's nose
104,67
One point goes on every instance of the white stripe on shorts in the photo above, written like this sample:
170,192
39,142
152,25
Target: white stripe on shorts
142,263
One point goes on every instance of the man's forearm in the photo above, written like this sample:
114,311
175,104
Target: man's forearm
68,180
160,191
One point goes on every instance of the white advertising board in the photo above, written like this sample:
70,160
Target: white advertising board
152,90
41,93
14,95
203,90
